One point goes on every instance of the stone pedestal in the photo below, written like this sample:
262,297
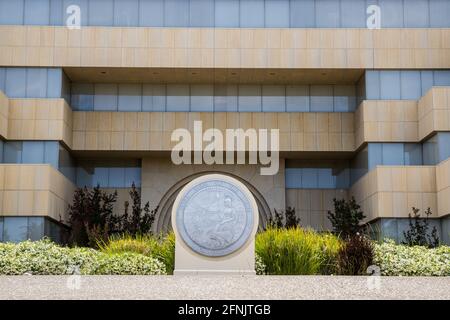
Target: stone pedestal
215,219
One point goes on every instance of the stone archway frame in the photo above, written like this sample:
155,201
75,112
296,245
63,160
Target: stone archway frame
163,218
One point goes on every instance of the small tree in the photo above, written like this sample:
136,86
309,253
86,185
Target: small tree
418,234
90,214
347,217
287,219
141,219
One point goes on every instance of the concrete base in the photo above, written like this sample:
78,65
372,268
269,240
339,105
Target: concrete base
188,262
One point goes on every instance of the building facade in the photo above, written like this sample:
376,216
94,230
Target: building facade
362,112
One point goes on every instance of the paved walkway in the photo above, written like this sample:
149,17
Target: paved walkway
217,287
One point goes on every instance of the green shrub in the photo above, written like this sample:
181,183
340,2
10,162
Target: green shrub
297,251
402,260
46,258
128,264
260,267
355,256
162,248
126,243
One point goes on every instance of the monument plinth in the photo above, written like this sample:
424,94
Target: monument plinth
215,219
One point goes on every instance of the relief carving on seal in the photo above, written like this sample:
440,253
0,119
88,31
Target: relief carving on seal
215,218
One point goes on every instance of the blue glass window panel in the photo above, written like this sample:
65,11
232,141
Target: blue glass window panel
201,13
309,178
391,13
327,14
177,97
105,98
202,98
439,14
372,85
274,98
297,98
16,82
55,83
393,154
32,152
1,229
151,13
83,4
359,165
11,12
101,12
176,13
344,98
321,98
416,14
249,98
430,151
15,229
293,178
36,228
326,179
277,13
426,78
389,85
227,13
56,12
343,179
82,96
84,179
302,14
51,153
1,150
252,14
443,140
441,77
132,174
36,83
410,85
12,152
66,163
130,97
37,12
375,155
2,79
126,13
101,177
413,154
225,98
116,177
154,97
353,14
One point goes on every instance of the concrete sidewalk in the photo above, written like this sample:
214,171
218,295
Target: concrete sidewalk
221,287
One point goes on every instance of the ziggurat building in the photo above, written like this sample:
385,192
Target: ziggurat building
361,112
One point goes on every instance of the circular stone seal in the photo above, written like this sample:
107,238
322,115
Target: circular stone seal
215,217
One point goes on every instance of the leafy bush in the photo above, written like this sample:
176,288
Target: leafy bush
128,264
355,256
260,267
162,248
418,234
347,217
46,258
402,260
286,219
297,251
